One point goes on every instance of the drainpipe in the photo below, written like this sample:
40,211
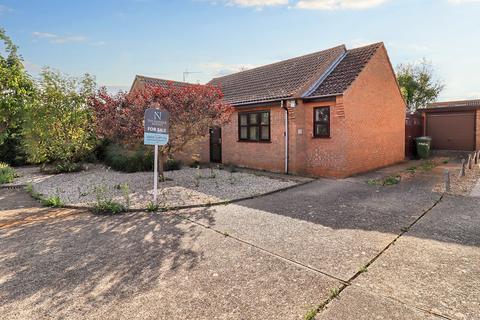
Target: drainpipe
282,103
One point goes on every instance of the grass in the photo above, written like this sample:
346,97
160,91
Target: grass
7,173
109,207
334,292
153,207
363,269
427,165
310,315
52,202
388,181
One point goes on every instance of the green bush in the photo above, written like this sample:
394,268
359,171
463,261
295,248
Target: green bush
172,165
53,202
121,159
109,207
7,174
139,160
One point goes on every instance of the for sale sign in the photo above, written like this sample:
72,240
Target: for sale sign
156,127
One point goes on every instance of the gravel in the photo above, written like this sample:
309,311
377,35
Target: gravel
187,186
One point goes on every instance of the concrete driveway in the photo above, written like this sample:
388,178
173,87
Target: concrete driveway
399,252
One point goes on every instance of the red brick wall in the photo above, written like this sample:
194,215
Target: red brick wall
375,118
318,156
257,155
477,130
198,150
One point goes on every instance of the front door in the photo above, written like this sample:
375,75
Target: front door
216,145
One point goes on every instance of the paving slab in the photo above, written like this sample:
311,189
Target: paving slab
435,266
335,226
146,266
356,304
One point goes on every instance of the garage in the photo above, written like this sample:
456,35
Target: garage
453,125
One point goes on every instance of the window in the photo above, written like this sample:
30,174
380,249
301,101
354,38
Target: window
321,122
254,126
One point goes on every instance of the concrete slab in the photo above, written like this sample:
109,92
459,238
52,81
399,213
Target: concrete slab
333,226
146,267
356,304
435,266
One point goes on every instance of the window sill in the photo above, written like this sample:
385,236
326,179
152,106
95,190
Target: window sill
327,137
253,141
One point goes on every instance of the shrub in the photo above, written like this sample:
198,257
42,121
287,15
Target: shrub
53,202
125,160
7,174
109,207
172,165
152,207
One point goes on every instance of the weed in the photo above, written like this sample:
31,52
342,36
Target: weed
427,165
109,207
231,178
124,187
53,202
35,195
7,173
391,180
404,229
212,174
412,170
374,182
310,315
363,269
226,234
334,292
153,207
445,161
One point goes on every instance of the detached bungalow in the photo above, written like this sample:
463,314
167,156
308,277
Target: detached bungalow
332,113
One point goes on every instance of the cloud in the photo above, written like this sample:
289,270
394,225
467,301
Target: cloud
338,4
4,9
63,39
253,3
58,39
219,69
463,1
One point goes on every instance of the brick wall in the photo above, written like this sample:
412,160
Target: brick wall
375,118
477,130
257,155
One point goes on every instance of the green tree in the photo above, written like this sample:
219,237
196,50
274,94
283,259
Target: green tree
16,93
59,125
418,84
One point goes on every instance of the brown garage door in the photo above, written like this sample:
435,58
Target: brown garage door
452,130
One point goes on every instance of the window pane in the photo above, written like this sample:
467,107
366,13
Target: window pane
254,134
265,118
265,133
322,115
243,119
253,118
321,130
244,133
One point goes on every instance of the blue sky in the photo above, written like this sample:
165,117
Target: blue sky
116,39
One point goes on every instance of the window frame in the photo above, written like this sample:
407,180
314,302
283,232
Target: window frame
258,125
315,123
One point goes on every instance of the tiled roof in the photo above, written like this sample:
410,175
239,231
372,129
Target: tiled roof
463,103
159,82
324,73
278,80
347,71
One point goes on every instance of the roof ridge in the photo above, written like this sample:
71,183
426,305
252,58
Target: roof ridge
162,79
280,62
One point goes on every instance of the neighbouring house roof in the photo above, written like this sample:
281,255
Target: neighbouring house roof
156,82
325,73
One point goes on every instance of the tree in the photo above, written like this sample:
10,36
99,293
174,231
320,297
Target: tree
16,93
418,84
59,126
193,111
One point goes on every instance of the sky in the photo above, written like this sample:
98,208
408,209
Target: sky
118,39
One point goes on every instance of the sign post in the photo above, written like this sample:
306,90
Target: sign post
155,134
